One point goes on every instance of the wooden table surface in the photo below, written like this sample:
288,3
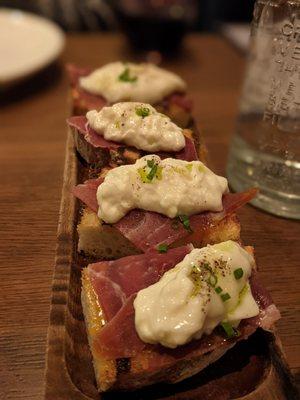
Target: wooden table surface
32,140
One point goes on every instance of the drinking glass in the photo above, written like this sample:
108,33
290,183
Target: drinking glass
265,150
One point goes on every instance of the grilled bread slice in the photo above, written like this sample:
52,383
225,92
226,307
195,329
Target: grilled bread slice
130,374
103,241
98,157
141,369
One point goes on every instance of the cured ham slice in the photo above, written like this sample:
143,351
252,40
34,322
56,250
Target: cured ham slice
83,132
115,281
80,123
147,229
118,338
268,311
180,100
87,191
188,153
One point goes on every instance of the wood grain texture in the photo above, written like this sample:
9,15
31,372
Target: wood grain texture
32,145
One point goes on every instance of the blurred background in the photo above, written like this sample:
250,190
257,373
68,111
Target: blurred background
149,24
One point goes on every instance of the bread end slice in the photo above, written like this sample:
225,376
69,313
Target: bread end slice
101,241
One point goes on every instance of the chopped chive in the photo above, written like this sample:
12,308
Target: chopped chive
207,267
238,273
125,76
162,248
184,219
150,163
152,172
142,111
229,330
218,289
155,172
225,296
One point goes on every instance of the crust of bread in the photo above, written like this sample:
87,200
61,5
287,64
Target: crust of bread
105,371
131,374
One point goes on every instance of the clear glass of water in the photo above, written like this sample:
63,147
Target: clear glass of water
265,150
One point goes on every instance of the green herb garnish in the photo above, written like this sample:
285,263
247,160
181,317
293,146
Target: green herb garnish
125,76
238,273
184,219
229,330
225,296
152,172
218,289
142,111
162,248
148,176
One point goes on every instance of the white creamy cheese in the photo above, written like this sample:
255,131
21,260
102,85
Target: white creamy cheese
210,286
170,187
138,125
119,81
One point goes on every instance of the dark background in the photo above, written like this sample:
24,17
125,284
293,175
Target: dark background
205,15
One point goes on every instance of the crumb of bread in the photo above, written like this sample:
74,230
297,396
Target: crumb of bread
227,229
100,240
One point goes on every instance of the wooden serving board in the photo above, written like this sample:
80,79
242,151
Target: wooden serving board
253,369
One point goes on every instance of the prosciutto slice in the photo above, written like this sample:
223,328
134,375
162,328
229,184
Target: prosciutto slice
146,229
268,311
115,281
118,338
90,135
181,100
87,191
76,72
80,124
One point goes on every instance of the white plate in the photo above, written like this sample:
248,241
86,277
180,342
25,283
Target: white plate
28,43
